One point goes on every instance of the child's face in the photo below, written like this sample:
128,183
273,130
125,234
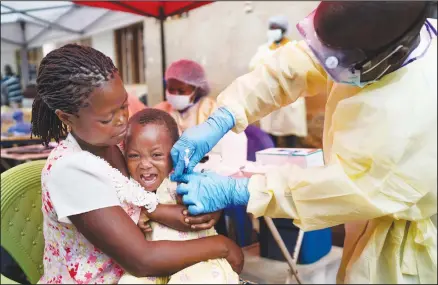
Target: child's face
148,154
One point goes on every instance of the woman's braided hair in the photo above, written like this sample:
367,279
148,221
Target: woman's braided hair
66,78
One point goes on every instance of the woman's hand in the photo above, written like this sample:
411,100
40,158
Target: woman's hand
143,222
202,222
235,255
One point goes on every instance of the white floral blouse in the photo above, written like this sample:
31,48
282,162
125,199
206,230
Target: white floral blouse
74,182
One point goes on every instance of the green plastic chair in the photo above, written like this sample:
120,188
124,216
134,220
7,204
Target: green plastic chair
22,219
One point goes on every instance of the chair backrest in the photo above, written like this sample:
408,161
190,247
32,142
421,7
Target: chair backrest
22,219
257,140
6,280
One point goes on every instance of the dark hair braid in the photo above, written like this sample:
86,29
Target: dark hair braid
66,78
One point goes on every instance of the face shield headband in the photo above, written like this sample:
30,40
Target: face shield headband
346,66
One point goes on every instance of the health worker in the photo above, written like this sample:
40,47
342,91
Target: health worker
378,63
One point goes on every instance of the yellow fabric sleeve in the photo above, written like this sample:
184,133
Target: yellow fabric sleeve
291,72
318,198
207,106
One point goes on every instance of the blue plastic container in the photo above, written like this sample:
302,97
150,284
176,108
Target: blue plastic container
315,244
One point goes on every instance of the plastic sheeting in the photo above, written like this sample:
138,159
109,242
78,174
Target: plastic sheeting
31,24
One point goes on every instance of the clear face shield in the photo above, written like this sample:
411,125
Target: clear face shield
348,66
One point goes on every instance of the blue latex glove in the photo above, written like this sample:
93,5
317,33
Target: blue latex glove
209,192
199,140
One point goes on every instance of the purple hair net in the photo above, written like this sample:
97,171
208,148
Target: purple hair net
189,72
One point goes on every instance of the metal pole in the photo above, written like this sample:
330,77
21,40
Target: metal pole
283,248
23,55
163,50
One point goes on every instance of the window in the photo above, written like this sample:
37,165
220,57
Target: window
130,54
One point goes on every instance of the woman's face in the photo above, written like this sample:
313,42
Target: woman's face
176,87
103,122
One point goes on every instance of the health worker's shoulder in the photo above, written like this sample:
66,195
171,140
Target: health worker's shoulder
207,105
208,101
299,56
297,46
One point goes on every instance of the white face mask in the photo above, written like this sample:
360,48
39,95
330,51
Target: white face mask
179,102
275,35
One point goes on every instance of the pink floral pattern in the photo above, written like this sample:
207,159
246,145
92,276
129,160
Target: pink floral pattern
69,258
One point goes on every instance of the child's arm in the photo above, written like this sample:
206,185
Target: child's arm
171,216
176,217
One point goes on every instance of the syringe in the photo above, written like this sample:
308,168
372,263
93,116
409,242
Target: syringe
187,158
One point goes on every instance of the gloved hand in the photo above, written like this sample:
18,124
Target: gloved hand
199,140
209,192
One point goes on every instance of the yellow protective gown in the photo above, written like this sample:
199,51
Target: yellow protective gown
289,120
380,148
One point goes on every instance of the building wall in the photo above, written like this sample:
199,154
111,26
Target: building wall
48,47
104,42
221,36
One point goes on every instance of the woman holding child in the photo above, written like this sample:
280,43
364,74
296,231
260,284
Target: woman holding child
91,206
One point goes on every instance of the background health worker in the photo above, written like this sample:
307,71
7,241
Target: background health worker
285,125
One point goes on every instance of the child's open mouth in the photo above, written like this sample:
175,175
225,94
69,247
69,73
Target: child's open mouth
148,179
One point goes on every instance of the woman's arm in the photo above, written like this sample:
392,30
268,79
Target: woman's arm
114,233
81,193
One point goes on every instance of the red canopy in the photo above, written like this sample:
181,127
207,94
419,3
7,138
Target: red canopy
156,9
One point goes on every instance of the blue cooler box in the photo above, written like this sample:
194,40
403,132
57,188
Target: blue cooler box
315,244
